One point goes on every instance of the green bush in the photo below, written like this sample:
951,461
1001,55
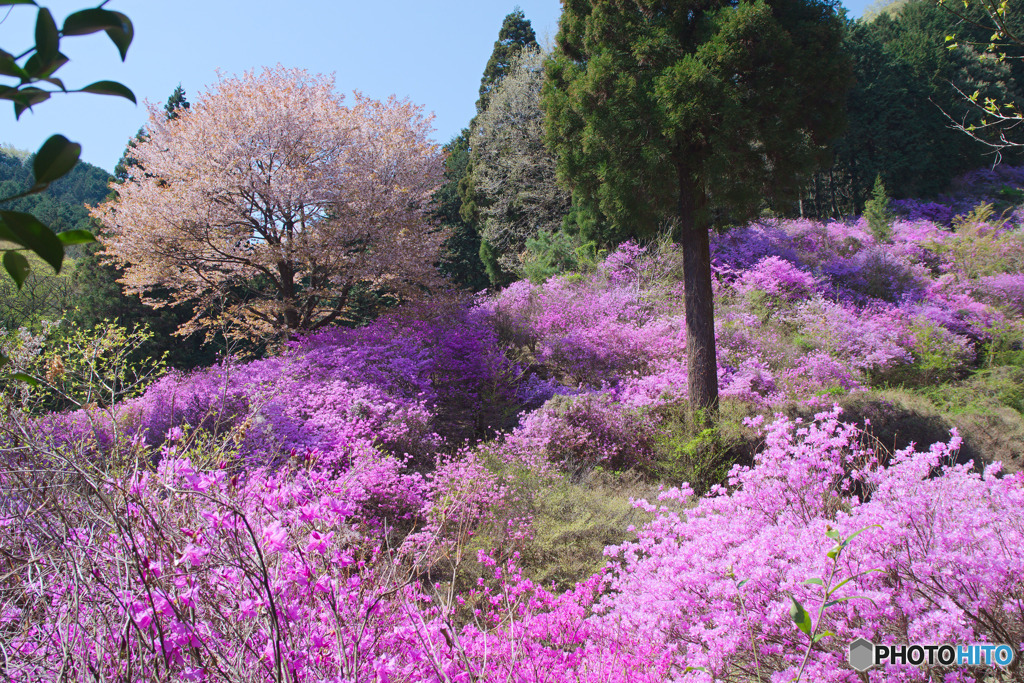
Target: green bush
876,210
555,253
686,450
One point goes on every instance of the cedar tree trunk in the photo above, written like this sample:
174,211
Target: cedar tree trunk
701,361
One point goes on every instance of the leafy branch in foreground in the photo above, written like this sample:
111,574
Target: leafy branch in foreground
998,121
32,68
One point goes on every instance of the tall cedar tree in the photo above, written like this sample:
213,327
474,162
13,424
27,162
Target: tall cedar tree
669,109
516,33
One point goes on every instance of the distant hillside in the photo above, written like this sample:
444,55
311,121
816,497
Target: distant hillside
62,206
882,7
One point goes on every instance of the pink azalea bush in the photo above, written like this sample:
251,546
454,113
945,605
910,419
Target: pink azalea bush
711,580
298,574
358,508
404,385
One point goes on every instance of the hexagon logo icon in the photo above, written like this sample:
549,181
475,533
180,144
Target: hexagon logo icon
862,654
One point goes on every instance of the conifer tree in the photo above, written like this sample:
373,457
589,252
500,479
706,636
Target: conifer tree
515,34
175,103
460,261
671,109
877,212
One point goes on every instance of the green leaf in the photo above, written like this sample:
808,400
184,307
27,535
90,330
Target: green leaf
830,603
24,98
17,267
69,237
834,552
9,67
694,668
34,235
47,36
94,20
855,534
27,379
40,68
55,158
110,88
851,578
800,616
822,635
122,37
4,360
6,235
742,583
814,582
833,534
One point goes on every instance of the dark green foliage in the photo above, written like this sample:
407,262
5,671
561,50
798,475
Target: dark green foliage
61,205
675,111
897,109
734,101
100,297
556,253
515,34
878,213
461,260
175,103
127,161
497,276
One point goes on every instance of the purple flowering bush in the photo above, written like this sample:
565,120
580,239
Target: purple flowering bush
711,580
366,505
297,574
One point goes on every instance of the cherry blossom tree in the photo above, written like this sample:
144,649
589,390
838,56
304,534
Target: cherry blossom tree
270,201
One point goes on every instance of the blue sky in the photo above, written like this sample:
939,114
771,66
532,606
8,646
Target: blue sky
431,52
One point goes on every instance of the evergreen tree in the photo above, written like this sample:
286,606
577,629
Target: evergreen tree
671,110
515,34
461,261
176,103
877,212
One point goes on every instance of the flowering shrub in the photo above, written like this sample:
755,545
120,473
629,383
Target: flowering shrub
190,574
585,431
404,387
776,277
336,513
711,581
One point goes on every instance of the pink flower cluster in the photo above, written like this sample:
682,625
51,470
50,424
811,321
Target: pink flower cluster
403,384
191,575
310,517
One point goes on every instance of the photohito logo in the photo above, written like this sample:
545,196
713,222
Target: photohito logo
864,654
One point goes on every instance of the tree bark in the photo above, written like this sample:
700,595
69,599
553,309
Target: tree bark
291,311
701,360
